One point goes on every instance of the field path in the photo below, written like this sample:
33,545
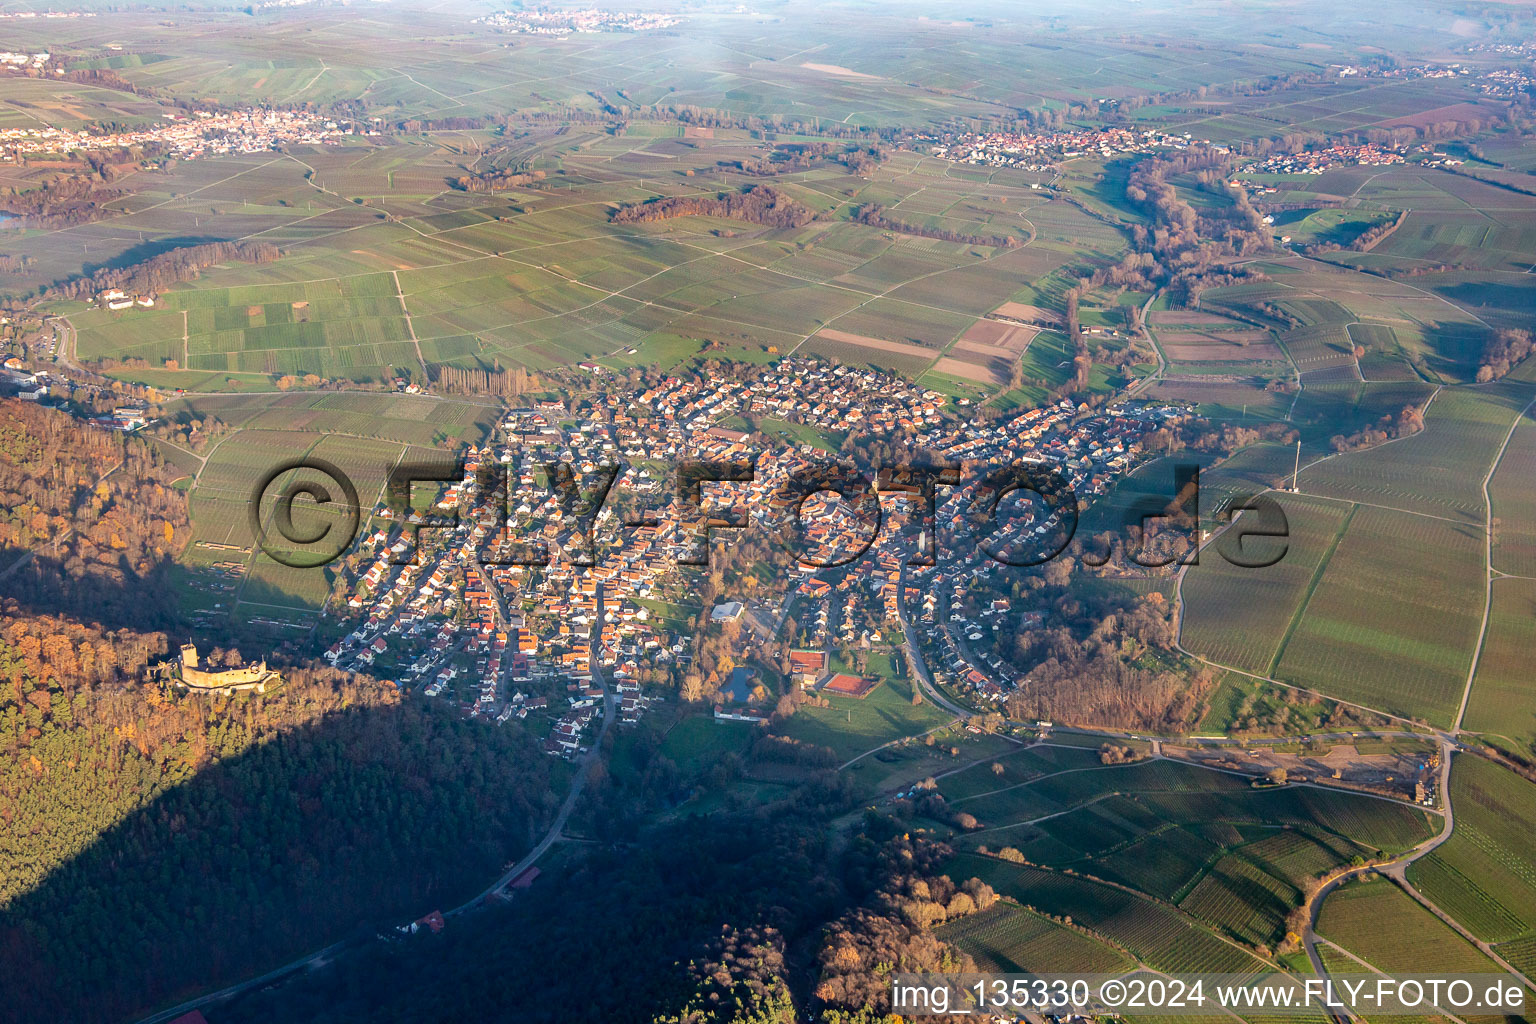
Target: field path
1488,575
1372,968
400,296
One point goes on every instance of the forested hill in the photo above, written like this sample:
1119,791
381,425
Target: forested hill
155,843
98,513
764,917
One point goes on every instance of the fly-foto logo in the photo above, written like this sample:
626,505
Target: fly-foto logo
305,513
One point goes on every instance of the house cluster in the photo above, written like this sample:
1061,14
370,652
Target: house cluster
1316,161
22,383
202,133
47,15
116,298
1506,83
1038,150
521,610
550,21
11,61
1090,452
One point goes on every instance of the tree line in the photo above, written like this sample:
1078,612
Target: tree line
760,204
160,272
1504,350
873,214
1191,248
497,180
454,380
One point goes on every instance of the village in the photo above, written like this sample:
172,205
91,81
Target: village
1037,151
202,133
1316,161
549,21
511,612
13,61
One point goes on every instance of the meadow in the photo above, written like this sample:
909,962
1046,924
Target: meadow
851,727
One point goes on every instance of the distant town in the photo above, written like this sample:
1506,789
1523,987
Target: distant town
1038,151
551,21
250,130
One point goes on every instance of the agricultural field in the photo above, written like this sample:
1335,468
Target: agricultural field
221,499
1241,617
1019,765
1437,471
387,271
1234,858
1155,934
1392,620
1484,875
1384,926
1008,939
1512,491
412,419
1503,701
1188,336
1322,311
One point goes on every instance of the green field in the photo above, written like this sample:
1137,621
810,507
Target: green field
1512,491
1438,471
851,727
221,498
1485,874
1007,939
1157,935
1390,631
1240,616
385,272
1381,924
1503,700
1235,858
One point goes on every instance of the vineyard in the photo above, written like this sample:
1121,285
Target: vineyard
1011,940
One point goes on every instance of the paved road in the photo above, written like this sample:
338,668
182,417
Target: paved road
1157,350
320,956
919,666
610,705
1398,871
